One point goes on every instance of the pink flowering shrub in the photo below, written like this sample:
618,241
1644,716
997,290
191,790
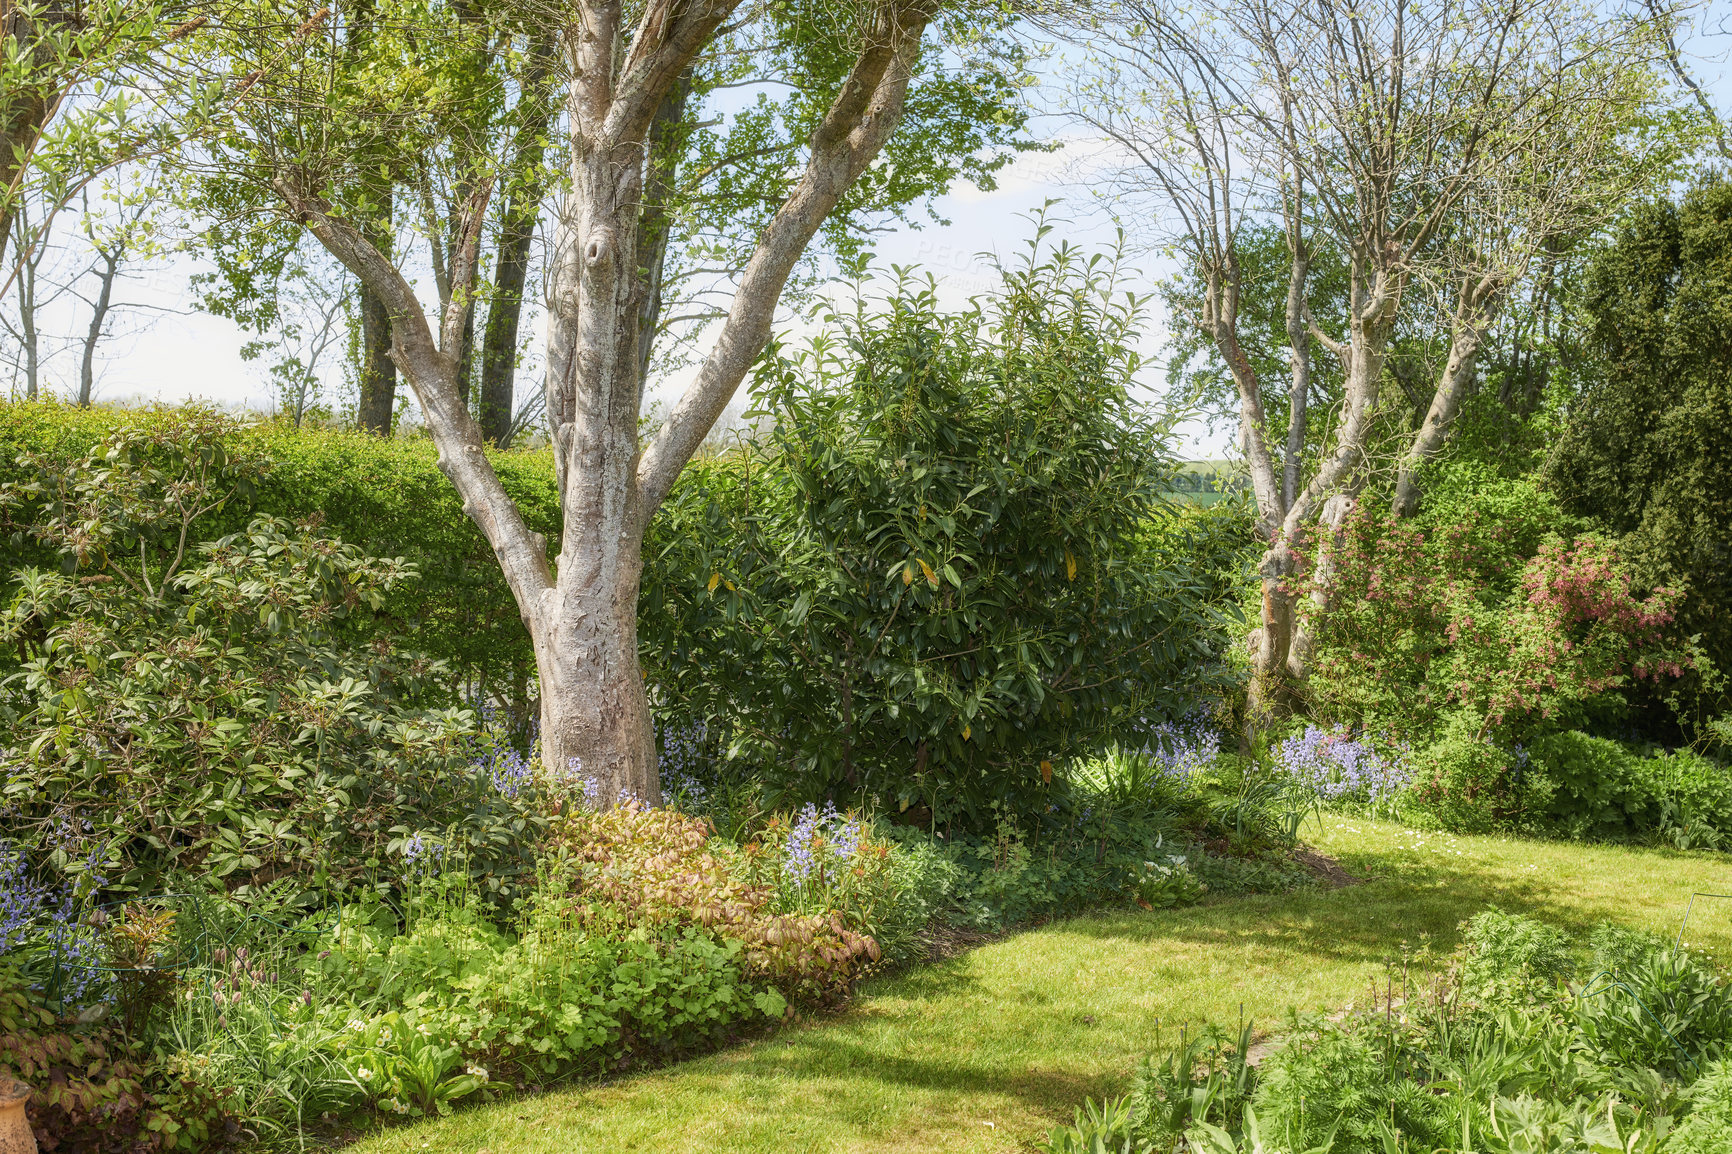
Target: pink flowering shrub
1487,612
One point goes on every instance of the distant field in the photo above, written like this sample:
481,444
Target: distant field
1205,482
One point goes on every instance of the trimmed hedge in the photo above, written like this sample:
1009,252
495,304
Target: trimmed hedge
386,496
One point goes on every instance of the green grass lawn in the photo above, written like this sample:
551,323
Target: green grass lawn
985,1051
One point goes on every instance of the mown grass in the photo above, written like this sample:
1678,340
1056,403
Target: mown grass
983,1052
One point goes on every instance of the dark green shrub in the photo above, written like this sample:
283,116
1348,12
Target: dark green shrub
948,568
1601,789
1337,1080
1647,446
1695,797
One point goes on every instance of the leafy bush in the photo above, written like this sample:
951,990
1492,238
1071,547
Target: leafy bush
1647,447
1571,784
232,707
1468,784
1659,1008
1490,606
1497,1055
949,564
384,495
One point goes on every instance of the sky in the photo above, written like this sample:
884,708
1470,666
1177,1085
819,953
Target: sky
163,348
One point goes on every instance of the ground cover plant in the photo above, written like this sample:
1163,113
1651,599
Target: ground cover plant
985,1051
1528,1041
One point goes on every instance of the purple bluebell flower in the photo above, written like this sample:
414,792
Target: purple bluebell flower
1340,767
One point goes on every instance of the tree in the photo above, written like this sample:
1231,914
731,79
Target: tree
1423,146
59,129
298,136
1646,445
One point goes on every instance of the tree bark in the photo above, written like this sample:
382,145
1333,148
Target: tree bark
98,319
516,238
504,314
1467,334
378,371
595,716
25,112
377,404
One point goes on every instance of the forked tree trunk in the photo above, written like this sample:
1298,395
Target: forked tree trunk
581,612
592,691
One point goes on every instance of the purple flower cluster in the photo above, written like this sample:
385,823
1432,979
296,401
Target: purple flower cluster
1185,747
30,909
510,771
424,854
22,899
682,754
1342,767
819,833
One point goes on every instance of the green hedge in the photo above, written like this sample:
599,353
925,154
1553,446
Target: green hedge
386,496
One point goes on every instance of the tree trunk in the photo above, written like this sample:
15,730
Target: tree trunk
504,313
377,404
25,111
595,718
1330,522
1270,695
98,319
516,238
32,339
378,371
1466,336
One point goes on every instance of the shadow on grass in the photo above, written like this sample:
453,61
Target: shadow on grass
1366,923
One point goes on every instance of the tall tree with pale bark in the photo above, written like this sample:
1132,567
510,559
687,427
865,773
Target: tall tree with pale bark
618,67
1433,149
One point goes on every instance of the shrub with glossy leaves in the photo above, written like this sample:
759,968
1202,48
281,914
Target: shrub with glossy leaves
949,565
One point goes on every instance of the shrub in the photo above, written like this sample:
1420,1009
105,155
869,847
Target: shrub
1661,1009
950,564
1467,783
1470,609
384,495
1600,789
1334,1082
1647,447
230,708
1519,1064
